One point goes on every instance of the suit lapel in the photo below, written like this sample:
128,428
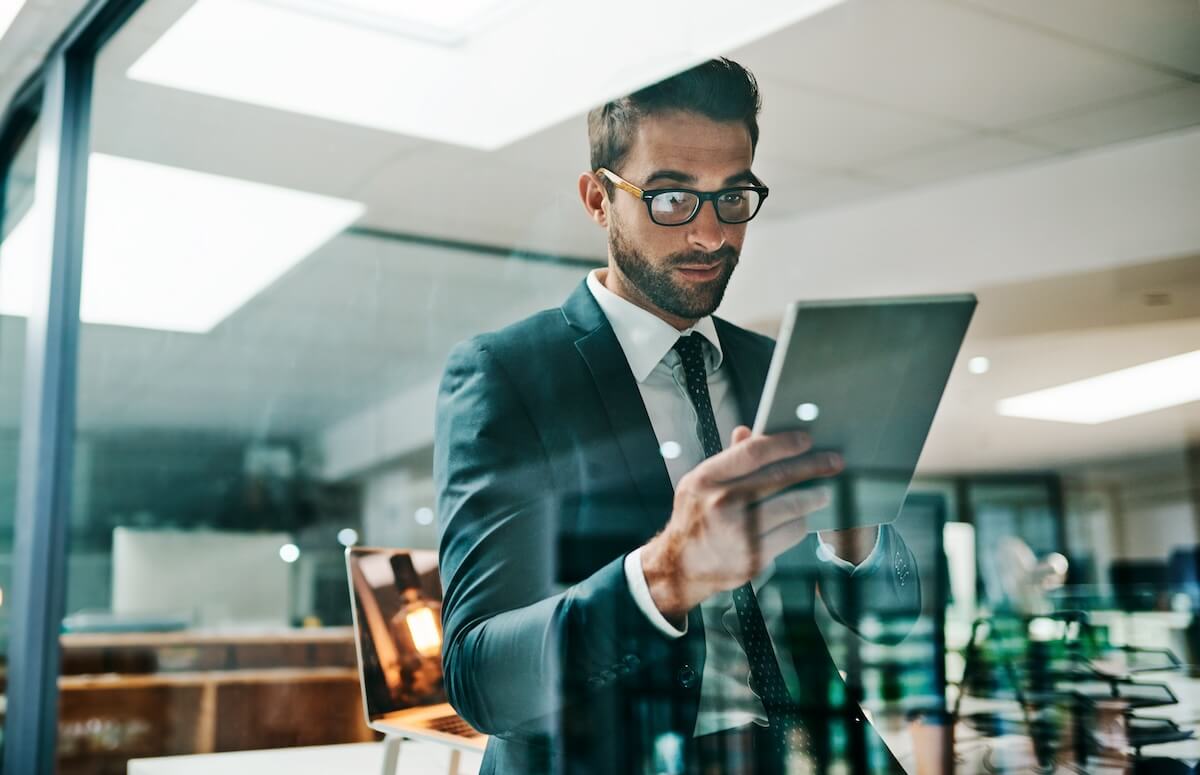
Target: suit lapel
622,403
747,369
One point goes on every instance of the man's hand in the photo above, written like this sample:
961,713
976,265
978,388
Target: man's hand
721,534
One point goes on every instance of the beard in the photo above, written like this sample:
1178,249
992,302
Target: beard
659,282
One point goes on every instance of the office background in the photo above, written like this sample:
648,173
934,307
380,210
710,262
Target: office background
238,326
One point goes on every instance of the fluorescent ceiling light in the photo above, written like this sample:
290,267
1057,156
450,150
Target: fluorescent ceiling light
8,12
445,23
174,249
521,73
1125,393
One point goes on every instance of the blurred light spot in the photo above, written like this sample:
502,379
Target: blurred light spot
289,552
979,365
807,412
347,536
668,753
1043,629
424,516
670,449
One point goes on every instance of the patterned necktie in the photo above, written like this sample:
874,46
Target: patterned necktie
787,727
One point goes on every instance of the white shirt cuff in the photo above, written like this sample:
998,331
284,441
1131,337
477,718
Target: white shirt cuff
825,553
636,578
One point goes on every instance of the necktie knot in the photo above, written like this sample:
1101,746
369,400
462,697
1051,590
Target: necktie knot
691,350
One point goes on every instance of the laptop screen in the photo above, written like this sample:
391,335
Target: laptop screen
396,597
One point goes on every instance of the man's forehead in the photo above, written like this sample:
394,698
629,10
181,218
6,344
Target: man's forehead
690,142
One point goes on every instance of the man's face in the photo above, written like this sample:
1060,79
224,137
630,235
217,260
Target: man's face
680,270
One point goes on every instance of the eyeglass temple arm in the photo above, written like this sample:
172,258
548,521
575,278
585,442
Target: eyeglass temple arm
620,182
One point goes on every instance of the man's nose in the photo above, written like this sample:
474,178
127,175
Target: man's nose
707,232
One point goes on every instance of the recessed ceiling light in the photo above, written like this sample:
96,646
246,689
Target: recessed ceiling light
289,553
979,365
1124,393
807,412
424,516
519,74
174,249
347,536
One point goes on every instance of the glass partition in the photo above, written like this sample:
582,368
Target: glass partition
17,202
299,212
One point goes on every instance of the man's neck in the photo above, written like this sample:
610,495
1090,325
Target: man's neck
612,279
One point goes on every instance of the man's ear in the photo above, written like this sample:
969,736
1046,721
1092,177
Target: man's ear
595,198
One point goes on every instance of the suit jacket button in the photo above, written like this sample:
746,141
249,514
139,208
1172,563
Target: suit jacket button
686,676
631,660
595,682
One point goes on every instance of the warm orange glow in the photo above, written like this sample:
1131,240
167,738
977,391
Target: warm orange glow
422,624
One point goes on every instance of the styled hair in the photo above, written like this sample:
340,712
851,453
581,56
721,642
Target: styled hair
719,89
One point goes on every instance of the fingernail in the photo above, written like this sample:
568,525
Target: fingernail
834,460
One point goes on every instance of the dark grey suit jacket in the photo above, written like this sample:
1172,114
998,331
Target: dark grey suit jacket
548,473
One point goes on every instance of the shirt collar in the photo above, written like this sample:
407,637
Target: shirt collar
645,337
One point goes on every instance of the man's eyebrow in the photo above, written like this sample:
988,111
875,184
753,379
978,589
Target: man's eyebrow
675,176
745,176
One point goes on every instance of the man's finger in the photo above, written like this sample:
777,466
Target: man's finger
782,538
786,507
776,477
751,454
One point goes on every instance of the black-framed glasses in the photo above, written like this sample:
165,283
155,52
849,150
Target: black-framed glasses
679,206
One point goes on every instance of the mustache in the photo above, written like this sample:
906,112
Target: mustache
724,255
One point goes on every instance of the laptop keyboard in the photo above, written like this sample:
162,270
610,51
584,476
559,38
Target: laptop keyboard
452,725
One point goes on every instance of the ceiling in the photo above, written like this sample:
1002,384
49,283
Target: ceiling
868,101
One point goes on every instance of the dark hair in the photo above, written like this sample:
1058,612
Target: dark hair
719,89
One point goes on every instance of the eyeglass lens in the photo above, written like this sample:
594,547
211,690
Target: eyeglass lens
674,207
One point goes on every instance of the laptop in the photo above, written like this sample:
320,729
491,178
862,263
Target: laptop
395,598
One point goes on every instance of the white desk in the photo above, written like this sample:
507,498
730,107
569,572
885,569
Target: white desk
357,759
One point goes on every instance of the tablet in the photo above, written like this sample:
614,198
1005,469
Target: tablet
864,378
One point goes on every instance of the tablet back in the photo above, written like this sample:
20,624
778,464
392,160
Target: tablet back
864,378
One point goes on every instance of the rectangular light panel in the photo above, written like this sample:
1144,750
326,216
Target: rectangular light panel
177,250
521,72
8,13
1118,394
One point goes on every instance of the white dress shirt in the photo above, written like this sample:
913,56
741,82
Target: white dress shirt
726,700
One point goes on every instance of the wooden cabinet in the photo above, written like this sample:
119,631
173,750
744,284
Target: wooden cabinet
125,696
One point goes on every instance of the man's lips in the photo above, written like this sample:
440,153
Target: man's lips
701,271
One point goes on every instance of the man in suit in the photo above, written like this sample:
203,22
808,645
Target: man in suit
622,593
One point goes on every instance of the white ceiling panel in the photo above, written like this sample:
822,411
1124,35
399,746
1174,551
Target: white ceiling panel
795,189
1165,32
456,193
946,60
1176,107
561,150
973,156
241,141
828,131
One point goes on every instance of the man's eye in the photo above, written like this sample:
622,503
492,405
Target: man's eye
733,197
